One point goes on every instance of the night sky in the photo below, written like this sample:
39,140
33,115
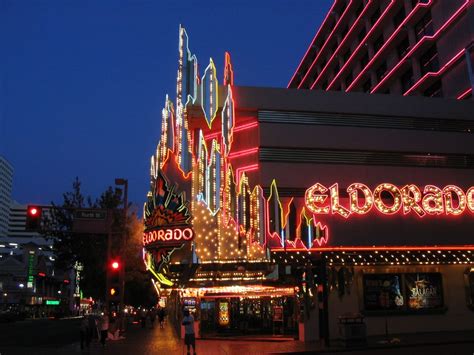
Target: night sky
83,82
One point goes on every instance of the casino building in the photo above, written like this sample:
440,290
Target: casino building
402,47
277,211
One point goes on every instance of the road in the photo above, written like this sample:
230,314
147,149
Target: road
62,337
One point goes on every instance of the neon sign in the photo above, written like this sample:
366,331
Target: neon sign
390,199
168,235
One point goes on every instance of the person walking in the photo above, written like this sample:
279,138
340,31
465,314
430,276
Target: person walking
152,317
143,314
189,336
84,333
104,327
161,316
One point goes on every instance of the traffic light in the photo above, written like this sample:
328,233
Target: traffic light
33,218
115,274
114,292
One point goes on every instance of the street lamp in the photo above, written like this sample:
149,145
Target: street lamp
124,183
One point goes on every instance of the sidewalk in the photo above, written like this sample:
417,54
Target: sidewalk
165,341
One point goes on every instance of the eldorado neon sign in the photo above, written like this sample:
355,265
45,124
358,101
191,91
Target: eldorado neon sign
432,200
168,235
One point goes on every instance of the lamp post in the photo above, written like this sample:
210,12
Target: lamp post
124,183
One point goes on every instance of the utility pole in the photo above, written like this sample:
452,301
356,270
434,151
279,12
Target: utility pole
123,236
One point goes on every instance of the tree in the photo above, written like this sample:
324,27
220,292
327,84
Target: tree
91,250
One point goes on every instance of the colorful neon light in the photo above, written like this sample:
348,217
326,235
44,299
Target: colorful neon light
465,94
209,93
236,129
243,153
361,44
453,18
313,41
168,235
382,248
387,43
321,50
433,200
343,42
441,71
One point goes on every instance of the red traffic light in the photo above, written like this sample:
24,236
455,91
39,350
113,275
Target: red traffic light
33,218
33,211
115,265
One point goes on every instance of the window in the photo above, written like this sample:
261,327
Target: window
346,56
348,79
429,61
344,31
364,60
424,291
385,292
367,86
362,34
435,90
406,80
375,16
403,47
399,17
424,27
358,11
378,43
381,71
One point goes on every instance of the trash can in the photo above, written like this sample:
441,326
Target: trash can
352,330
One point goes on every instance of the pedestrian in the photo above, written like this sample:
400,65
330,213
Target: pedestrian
161,316
104,327
93,333
189,336
143,314
152,317
84,328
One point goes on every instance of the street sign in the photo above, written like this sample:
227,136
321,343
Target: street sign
89,213
52,302
91,220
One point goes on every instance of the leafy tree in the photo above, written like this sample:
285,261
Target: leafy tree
91,249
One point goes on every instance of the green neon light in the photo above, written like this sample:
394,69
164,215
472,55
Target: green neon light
52,302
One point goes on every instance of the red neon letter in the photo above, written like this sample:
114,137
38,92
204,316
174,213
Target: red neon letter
433,200
448,200
314,196
354,198
411,196
335,206
380,205
470,199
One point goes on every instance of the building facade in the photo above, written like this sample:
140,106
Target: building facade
6,182
408,47
280,211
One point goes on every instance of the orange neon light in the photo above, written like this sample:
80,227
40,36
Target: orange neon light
388,199
236,129
242,153
382,248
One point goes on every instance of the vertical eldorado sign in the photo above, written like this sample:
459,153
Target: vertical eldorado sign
167,226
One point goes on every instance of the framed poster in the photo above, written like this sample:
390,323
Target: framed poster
277,313
224,317
383,292
424,291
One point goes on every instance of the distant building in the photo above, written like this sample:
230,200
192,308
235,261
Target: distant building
411,47
17,235
6,181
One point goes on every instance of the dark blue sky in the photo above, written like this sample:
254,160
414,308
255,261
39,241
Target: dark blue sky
83,82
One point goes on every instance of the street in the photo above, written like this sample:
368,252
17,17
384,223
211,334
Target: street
62,337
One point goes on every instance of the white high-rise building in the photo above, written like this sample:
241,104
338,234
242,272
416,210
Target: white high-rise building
6,182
